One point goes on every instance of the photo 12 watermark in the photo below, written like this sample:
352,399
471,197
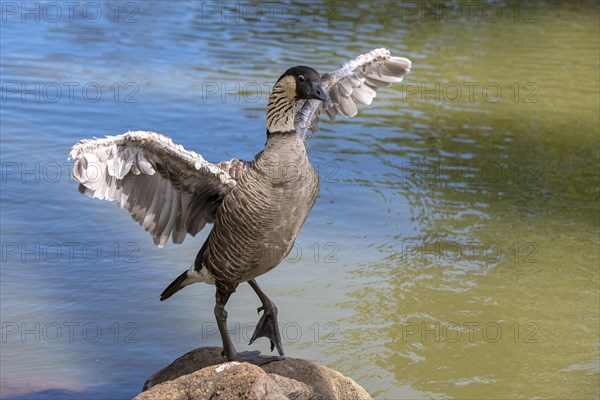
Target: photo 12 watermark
470,92
467,11
470,171
291,332
69,332
235,12
53,12
470,332
68,252
471,251
68,92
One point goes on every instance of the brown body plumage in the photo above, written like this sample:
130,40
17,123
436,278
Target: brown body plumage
258,221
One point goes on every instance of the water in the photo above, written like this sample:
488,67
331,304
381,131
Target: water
453,251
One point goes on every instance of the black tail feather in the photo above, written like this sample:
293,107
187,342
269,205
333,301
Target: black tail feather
174,287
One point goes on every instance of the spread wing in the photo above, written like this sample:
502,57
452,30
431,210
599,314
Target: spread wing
167,189
357,79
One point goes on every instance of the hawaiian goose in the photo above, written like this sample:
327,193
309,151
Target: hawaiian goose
256,208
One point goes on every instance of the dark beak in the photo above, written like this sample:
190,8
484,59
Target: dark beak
317,92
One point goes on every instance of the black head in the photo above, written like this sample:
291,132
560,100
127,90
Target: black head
303,82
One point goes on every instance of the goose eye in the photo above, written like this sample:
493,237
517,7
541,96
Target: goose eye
301,78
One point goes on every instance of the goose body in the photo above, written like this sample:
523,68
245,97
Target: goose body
257,207
258,221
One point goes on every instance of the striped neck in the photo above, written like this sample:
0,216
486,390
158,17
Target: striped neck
282,106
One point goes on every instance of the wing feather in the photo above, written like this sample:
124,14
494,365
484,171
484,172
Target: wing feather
170,191
358,79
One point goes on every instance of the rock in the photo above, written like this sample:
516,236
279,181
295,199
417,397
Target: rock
229,381
202,374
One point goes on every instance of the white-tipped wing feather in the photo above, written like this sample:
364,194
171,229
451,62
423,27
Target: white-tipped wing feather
167,189
357,79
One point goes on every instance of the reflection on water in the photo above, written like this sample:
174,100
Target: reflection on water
453,251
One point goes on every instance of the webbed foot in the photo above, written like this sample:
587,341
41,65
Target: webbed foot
267,327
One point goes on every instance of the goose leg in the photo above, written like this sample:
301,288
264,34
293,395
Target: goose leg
267,325
221,316
229,351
